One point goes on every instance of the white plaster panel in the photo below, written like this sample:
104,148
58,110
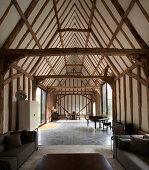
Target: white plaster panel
21,61
114,11
115,63
3,6
124,4
142,74
35,11
26,41
23,4
18,37
104,26
135,104
134,71
145,4
64,13
123,40
140,23
8,24
115,44
6,75
144,110
106,16
110,66
130,36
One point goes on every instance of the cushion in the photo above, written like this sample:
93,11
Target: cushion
8,163
2,143
13,141
124,143
27,137
146,136
139,145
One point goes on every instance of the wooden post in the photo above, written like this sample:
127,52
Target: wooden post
1,93
34,88
148,99
125,102
114,107
119,84
131,98
29,88
139,98
10,100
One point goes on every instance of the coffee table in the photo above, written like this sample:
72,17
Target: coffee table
89,161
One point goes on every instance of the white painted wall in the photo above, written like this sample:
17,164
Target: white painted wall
14,102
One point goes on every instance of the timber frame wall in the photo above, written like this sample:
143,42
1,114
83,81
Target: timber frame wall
99,24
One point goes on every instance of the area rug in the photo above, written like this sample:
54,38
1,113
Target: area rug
31,163
48,126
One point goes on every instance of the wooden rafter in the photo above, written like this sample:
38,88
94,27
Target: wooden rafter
20,24
120,10
89,27
59,27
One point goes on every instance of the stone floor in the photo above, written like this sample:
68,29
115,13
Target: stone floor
75,132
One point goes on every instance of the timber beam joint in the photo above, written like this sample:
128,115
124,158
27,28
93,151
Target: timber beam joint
143,60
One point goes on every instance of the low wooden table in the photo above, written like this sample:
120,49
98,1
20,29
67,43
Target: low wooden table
90,161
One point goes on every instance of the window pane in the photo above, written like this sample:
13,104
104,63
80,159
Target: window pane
38,98
109,99
104,97
43,94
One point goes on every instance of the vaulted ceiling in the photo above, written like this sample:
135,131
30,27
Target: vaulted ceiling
40,24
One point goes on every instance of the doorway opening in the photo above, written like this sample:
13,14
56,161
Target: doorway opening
107,100
41,99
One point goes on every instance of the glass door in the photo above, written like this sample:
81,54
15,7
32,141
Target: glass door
41,99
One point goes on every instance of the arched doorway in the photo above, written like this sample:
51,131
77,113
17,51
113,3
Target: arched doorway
107,100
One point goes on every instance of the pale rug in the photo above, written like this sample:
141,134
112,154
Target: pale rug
48,126
31,163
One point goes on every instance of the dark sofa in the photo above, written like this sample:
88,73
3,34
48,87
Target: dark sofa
127,158
12,159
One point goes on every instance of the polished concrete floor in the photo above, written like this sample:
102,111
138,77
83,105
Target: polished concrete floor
75,132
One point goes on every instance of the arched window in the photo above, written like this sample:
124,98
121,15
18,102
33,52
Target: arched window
107,99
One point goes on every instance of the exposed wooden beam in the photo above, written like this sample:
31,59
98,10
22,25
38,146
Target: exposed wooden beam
67,87
74,30
66,91
22,71
74,51
126,71
15,76
72,77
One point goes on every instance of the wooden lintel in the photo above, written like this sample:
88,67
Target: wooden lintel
68,91
105,78
74,51
67,87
